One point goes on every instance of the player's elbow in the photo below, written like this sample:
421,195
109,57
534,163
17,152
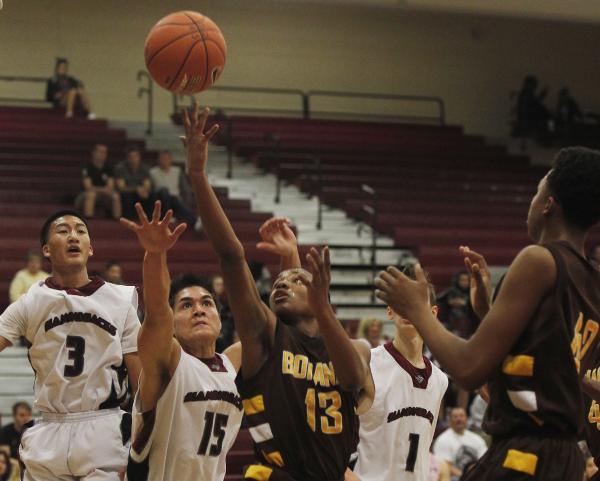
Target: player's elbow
471,379
352,382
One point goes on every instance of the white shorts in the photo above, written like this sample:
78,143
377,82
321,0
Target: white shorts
88,446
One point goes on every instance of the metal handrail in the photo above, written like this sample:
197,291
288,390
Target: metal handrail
149,91
22,78
438,101
255,90
371,210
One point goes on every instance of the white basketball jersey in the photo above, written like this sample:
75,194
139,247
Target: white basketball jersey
396,432
195,422
77,341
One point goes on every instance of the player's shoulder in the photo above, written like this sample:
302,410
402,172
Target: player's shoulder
124,292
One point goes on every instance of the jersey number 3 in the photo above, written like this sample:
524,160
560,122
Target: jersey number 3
76,347
214,425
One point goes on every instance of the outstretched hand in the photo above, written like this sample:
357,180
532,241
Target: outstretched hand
155,236
406,297
317,283
196,139
481,281
277,237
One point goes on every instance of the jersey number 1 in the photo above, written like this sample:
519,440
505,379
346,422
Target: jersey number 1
216,425
413,450
76,348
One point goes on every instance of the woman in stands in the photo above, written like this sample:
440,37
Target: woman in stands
67,92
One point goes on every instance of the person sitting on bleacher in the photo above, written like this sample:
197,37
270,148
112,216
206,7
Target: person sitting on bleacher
10,435
134,183
98,185
171,188
27,276
67,92
9,468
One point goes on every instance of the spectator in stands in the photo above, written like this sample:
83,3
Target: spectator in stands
533,118
113,273
9,468
134,184
98,185
26,277
457,445
370,331
567,114
10,435
67,92
262,277
227,336
595,253
172,189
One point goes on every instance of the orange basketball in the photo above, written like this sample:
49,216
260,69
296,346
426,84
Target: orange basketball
185,52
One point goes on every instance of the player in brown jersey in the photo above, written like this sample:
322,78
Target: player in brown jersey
534,343
300,372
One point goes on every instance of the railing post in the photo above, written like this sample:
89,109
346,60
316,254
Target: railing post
150,93
306,105
229,148
319,189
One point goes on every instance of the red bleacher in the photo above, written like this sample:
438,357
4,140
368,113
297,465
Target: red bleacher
437,188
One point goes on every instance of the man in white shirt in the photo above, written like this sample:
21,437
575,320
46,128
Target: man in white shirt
82,338
457,445
170,186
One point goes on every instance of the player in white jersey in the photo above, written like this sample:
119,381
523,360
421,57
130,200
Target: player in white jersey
82,337
398,418
187,412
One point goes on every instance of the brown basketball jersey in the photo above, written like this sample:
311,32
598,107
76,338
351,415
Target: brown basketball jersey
299,417
537,388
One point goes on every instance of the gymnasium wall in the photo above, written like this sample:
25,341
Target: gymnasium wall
472,62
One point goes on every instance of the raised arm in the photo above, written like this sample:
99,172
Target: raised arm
158,351
254,323
350,361
279,239
528,281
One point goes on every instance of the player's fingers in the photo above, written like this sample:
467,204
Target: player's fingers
419,274
395,272
180,229
156,212
141,214
387,277
132,226
474,256
468,265
186,120
382,295
202,119
313,266
195,115
212,131
267,247
167,217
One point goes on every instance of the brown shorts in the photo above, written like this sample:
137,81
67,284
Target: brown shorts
527,458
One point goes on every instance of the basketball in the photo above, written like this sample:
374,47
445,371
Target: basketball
185,52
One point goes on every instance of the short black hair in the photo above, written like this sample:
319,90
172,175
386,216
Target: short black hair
188,280
111,263
33,253
20,404
574,182
132,148
52,217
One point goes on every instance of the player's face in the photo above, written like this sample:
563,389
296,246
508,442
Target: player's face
288,298
537,209
68,243
404,327
196,316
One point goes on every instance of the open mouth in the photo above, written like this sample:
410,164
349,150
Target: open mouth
74,250
280,297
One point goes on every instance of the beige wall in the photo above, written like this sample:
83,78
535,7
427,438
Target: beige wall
472,62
